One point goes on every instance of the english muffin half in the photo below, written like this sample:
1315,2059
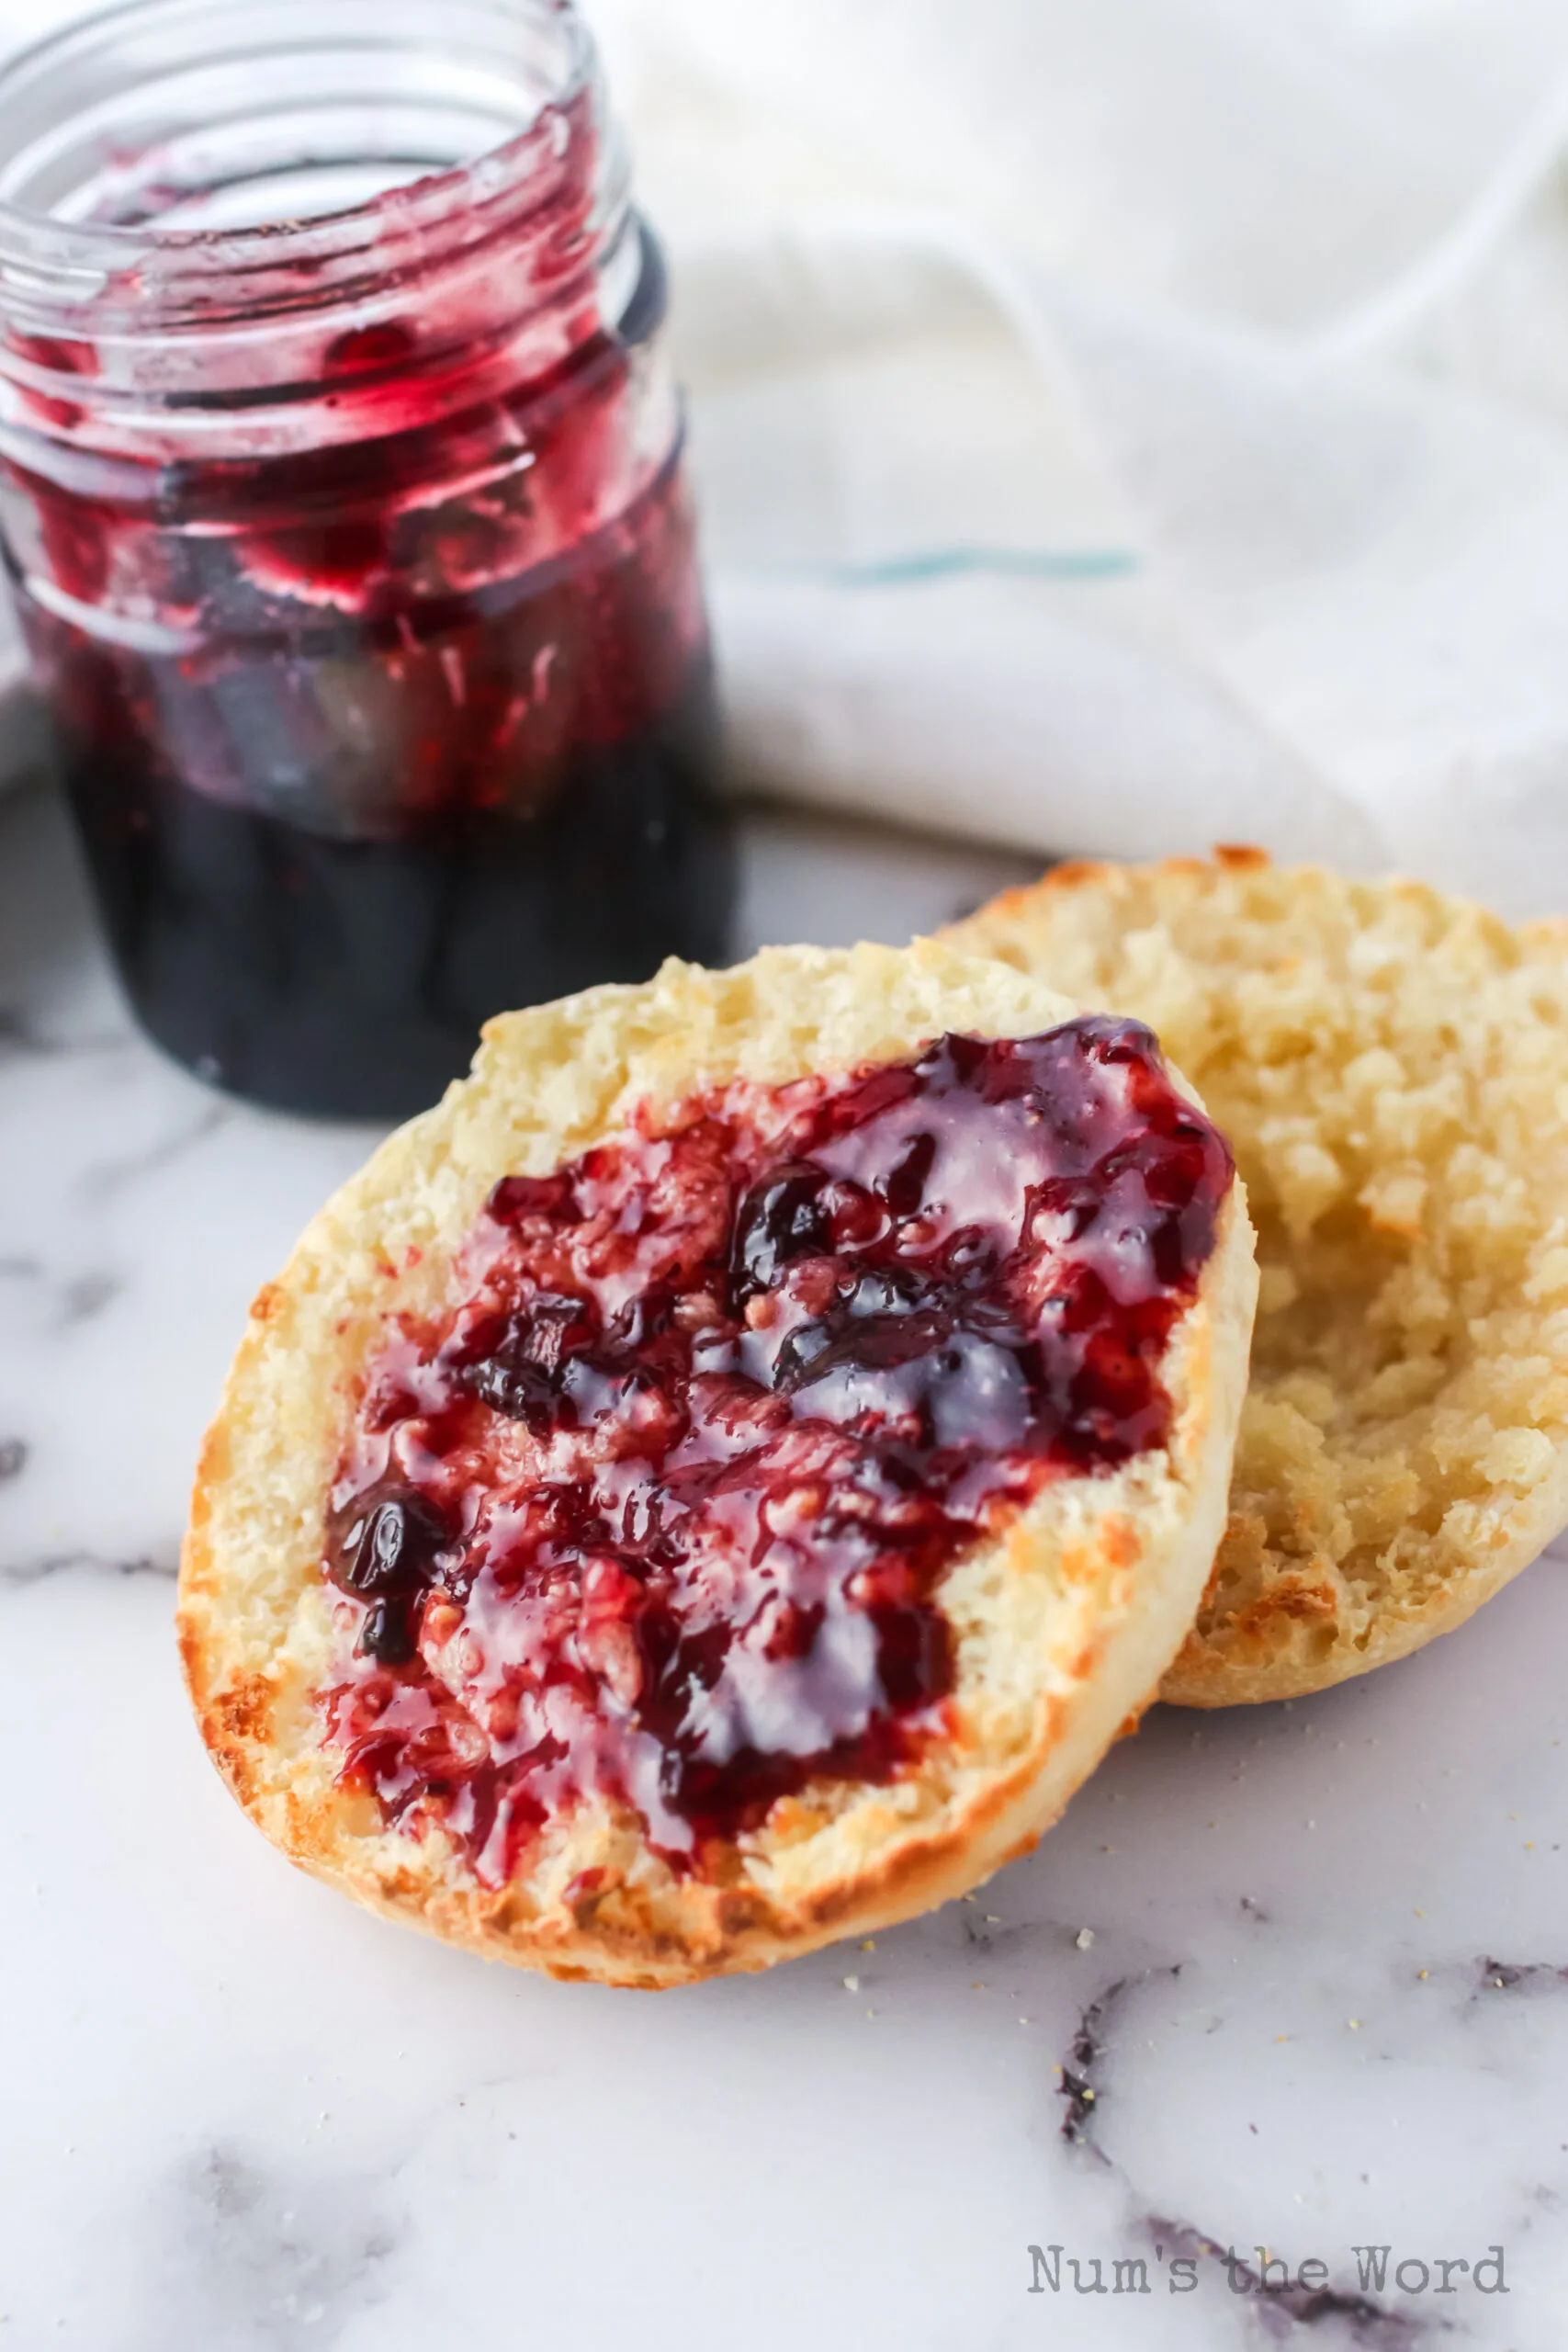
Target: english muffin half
1391,1069
719,1481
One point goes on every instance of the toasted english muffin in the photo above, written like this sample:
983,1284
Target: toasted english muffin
635,1541
1391,1069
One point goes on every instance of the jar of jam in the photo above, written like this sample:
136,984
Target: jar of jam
342,497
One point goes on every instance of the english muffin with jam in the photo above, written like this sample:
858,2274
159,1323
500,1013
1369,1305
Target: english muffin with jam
720,1481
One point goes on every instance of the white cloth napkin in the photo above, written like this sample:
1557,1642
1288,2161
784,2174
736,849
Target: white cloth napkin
1123,424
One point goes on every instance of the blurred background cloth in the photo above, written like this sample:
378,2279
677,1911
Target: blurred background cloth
1123,424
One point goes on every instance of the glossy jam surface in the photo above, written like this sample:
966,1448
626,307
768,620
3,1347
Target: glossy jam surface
399,723
660,1512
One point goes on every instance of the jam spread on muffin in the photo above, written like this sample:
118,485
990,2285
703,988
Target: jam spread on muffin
659,1513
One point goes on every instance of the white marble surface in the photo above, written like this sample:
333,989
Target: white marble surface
1323,2003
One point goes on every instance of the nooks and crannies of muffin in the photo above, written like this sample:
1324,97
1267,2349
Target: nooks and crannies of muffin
1391,1068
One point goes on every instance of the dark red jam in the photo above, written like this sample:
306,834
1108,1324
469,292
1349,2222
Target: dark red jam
373,737
659,1513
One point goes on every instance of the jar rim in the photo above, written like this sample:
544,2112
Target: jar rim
53,261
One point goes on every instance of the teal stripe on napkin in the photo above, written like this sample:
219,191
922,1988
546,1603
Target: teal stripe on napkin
1025,563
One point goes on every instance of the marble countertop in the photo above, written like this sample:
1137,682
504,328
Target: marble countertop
1291,1978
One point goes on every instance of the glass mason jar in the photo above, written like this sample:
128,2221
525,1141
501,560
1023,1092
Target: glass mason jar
341,491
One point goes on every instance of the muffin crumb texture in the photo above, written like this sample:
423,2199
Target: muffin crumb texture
1391,1069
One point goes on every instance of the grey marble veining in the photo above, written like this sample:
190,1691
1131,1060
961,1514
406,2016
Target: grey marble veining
1285,1982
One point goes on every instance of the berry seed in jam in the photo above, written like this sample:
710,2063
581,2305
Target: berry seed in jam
659,1514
